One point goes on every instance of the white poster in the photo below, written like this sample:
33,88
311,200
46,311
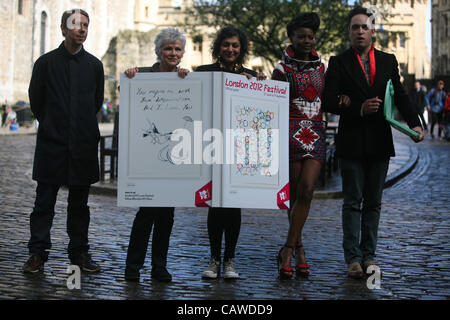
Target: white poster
211,139
258,114
159,108
154,109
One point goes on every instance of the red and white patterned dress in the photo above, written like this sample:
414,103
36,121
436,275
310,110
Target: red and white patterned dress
306,127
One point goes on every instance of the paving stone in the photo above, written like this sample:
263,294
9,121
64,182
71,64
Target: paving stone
413,249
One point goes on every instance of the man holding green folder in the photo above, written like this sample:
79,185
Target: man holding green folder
355,86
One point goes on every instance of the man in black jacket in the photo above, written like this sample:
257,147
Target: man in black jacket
355,84
417,96
66,92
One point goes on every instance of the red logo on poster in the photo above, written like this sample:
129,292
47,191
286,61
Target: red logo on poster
283,197
203,195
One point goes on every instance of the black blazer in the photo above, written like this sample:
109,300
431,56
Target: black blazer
369,136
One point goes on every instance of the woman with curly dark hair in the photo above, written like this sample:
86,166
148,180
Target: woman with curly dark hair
230,49
301,66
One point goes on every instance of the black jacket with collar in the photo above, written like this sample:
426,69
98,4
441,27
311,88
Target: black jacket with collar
66,92
368,136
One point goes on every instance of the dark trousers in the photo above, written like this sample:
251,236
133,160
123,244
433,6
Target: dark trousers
41,219
436,118
145,218
362,183
220,221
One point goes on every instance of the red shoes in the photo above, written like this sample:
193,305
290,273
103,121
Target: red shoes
301,269
284,272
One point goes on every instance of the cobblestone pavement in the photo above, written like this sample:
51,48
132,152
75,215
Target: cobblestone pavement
413,249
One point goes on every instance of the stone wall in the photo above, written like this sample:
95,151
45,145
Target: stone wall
130,48
440,35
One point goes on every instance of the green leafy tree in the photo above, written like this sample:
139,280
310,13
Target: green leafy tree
265,22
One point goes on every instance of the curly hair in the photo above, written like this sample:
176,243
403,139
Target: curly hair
168,35
228,32
308,20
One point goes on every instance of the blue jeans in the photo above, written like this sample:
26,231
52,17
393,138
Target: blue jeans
362,183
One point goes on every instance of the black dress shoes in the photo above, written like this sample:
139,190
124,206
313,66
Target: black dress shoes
34,264
85,262
132,274
161,274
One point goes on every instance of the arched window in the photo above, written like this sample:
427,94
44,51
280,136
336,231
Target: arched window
20,7
43,31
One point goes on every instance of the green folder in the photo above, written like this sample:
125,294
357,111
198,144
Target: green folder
389,108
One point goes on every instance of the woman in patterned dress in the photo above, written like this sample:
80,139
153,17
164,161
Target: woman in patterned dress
301,66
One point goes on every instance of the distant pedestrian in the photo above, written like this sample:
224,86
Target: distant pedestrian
446,120
364,141
66,92
417,96
435,100
106,111
302,67
3,118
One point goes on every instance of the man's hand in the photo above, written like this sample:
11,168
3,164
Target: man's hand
344,101
420,132
130,73
182,73
371,105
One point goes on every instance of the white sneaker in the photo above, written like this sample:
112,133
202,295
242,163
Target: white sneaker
229,272
212,269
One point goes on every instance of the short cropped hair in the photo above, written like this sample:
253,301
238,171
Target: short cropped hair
308,20
68,13
357,10
228,32
168,35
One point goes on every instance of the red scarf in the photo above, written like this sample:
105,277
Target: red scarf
373,67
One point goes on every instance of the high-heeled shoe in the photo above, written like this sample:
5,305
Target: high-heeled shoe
284,272
301,269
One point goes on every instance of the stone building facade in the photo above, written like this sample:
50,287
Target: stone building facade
401,31
440,35
121,34
32,28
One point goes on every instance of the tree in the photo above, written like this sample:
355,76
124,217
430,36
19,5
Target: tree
265,22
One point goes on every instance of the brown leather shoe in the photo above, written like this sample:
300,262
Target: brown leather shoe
34,264
355,271
85,262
